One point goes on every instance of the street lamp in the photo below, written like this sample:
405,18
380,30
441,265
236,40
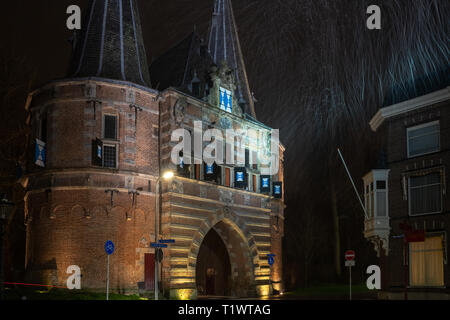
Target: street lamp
6,207
166,176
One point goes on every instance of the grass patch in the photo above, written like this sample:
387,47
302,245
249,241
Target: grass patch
63,294
329,290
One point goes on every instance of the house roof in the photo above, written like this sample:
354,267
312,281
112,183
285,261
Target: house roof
409,105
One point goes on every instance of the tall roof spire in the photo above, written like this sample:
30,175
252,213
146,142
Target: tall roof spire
111,43
224,45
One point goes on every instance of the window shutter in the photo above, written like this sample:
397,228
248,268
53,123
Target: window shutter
97,153
210,172
277,190
240,178
227,177
265,184
40,153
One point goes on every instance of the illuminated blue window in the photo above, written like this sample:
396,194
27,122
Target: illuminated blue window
277,189
40,153
265,182
209,169
239,176
226,100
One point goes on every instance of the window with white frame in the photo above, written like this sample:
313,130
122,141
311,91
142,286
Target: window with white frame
376,193
423,139
425,194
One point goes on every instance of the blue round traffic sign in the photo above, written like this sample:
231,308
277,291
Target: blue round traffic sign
109,247
271,260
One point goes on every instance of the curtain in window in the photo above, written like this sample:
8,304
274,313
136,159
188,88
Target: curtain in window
427,262
423,140
425,193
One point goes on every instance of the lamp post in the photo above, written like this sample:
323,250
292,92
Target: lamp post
6,208
166,176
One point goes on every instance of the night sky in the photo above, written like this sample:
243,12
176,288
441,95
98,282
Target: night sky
317,72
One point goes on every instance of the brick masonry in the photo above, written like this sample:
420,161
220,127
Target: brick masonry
396,142
69,214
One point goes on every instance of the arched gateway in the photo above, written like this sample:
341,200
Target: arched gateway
224,264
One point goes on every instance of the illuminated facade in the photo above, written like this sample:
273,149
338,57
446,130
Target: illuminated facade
103,139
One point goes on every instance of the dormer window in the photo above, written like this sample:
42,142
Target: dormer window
226,100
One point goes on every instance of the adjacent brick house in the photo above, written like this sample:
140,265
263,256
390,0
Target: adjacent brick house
101,142
406,199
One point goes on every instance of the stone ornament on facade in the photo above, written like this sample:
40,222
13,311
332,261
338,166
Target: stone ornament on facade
265,203
203,191
247,200
179,110
226,197
176,186
90,90
225,123
143,243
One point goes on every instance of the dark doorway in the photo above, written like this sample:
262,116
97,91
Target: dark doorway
213,271
149,267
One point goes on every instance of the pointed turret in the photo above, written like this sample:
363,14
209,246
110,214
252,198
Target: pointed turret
111,44
224,45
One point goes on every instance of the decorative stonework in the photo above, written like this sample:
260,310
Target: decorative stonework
143,243
129,183
176,186
179,110
225,123
265,203
247,199
90,90
131,98
203,191
226,197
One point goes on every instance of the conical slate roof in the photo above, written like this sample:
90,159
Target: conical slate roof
111,44
224,45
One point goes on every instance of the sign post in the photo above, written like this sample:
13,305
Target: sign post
157,247
270,260
109,248
350,262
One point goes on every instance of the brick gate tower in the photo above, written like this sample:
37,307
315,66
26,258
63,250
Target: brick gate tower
102,138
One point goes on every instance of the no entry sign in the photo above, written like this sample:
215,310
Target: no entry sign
349,255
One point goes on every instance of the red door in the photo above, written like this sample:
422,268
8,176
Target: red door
149,267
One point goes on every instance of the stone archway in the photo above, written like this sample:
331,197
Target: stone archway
213,269
242,253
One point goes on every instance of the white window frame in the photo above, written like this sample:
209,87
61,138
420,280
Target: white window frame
409,195
371,191
424,125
